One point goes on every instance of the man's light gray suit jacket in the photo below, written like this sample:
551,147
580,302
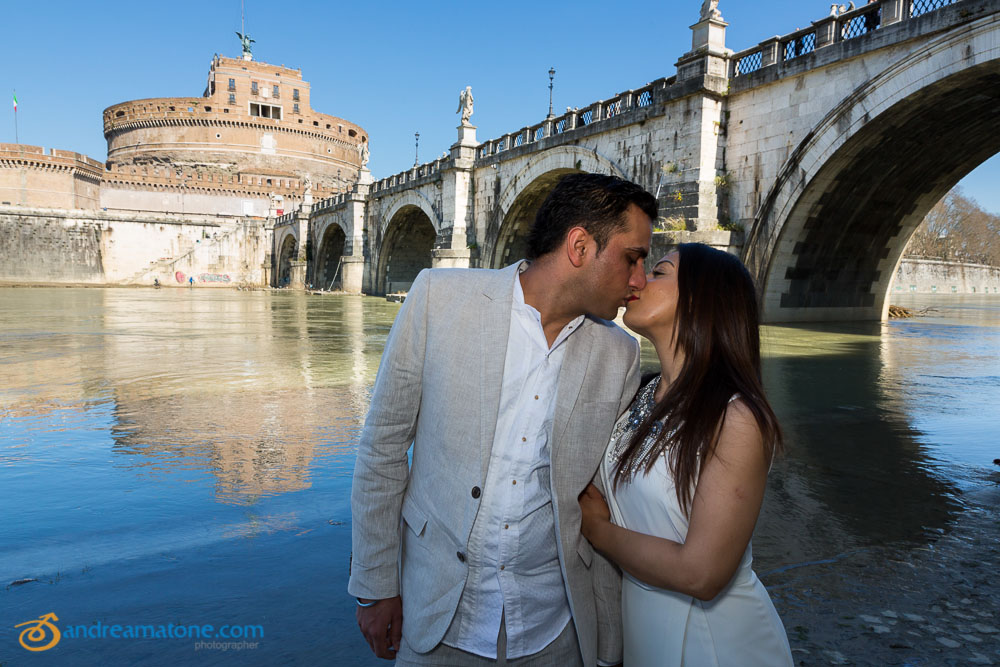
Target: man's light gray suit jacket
438,387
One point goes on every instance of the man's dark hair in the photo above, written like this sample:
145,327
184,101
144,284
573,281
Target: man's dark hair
595,202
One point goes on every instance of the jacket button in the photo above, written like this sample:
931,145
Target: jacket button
476,492
461,556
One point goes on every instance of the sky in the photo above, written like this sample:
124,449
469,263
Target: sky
394,68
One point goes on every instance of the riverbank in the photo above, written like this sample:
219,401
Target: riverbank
932,604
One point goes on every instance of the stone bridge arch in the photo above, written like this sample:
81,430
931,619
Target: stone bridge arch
331,242
407,234
287,246
518,203
827,239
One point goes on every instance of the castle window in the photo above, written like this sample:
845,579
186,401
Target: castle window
232,85
352,133
253,88
295,94
295,109
316,123
276,92
265,111
208,108
119,114
328,126
232,98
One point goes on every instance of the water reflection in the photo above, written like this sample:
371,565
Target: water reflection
161,432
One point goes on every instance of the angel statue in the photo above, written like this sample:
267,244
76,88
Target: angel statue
465,104
246,42
363,153
710,10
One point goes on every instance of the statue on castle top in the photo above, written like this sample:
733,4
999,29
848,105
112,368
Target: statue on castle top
465,105
245,41
363,153
710,10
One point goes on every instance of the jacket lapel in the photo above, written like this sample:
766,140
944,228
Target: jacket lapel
571,376
495,328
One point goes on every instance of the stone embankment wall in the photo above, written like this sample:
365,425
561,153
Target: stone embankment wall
52,246
929,276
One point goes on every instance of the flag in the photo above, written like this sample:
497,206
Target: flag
15,102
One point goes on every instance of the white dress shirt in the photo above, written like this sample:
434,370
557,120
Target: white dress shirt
512,557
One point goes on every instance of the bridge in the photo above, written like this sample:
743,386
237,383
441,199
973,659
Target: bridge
813,155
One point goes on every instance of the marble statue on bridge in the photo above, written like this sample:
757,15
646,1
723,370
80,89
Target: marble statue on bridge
710,10
465,105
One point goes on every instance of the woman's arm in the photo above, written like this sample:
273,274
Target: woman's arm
724,512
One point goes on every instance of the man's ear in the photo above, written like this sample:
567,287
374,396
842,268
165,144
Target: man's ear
578,246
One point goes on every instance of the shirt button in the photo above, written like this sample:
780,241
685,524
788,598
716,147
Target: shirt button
514,482
536,397
476,492
461,556
502,567
506,526
524,440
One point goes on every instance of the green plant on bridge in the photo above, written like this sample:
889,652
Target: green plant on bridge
674,223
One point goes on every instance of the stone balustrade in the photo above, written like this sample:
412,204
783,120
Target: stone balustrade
573,119
829,30
410,175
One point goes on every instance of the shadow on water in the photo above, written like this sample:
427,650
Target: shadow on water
855,472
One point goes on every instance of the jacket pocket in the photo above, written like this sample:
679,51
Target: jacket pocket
414,518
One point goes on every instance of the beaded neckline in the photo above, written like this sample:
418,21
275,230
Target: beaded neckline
641,408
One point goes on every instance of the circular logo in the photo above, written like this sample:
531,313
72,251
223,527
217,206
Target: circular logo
179,276
39,631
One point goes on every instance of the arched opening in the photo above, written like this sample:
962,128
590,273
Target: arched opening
836,252
512,236
328,261
406,249
284,274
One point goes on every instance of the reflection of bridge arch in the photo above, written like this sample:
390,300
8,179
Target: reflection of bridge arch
829,235
332,240
288,249
519,203
406,248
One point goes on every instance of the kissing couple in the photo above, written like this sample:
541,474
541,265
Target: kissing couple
556,510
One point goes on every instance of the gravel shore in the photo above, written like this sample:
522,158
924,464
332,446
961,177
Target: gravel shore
930,604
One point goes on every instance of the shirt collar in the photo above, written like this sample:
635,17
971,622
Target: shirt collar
529,310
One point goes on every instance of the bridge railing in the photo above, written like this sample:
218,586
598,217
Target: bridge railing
329,203
835,28
410,175
573,119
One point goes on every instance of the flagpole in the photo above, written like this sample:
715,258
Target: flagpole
17,139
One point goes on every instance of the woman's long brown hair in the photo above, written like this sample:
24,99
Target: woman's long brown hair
717,325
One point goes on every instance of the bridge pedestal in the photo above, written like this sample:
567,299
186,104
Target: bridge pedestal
298,274
352,273
447,258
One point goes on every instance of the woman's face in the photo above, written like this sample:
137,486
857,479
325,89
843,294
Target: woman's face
652,309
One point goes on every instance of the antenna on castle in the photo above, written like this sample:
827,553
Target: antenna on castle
243,17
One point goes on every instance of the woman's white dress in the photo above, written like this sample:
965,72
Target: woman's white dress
739,627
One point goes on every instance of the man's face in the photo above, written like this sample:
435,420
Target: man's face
618,269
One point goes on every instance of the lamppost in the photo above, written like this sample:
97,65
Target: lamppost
552,74
416,149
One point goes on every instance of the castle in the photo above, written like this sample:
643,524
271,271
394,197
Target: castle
181,173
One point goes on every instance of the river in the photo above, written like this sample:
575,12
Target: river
184,457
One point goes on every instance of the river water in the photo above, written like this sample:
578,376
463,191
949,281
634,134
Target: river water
184,457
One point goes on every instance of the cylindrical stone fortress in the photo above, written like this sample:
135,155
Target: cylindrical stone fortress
254,119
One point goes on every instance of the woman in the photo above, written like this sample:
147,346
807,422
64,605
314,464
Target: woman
686,470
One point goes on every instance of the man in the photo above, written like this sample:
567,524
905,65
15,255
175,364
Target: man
507,383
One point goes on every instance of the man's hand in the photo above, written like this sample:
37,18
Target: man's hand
595,513
382,626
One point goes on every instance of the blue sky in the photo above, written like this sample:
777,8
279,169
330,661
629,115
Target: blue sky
394,68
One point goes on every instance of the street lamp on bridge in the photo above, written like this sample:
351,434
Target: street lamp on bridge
552,74
416,149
